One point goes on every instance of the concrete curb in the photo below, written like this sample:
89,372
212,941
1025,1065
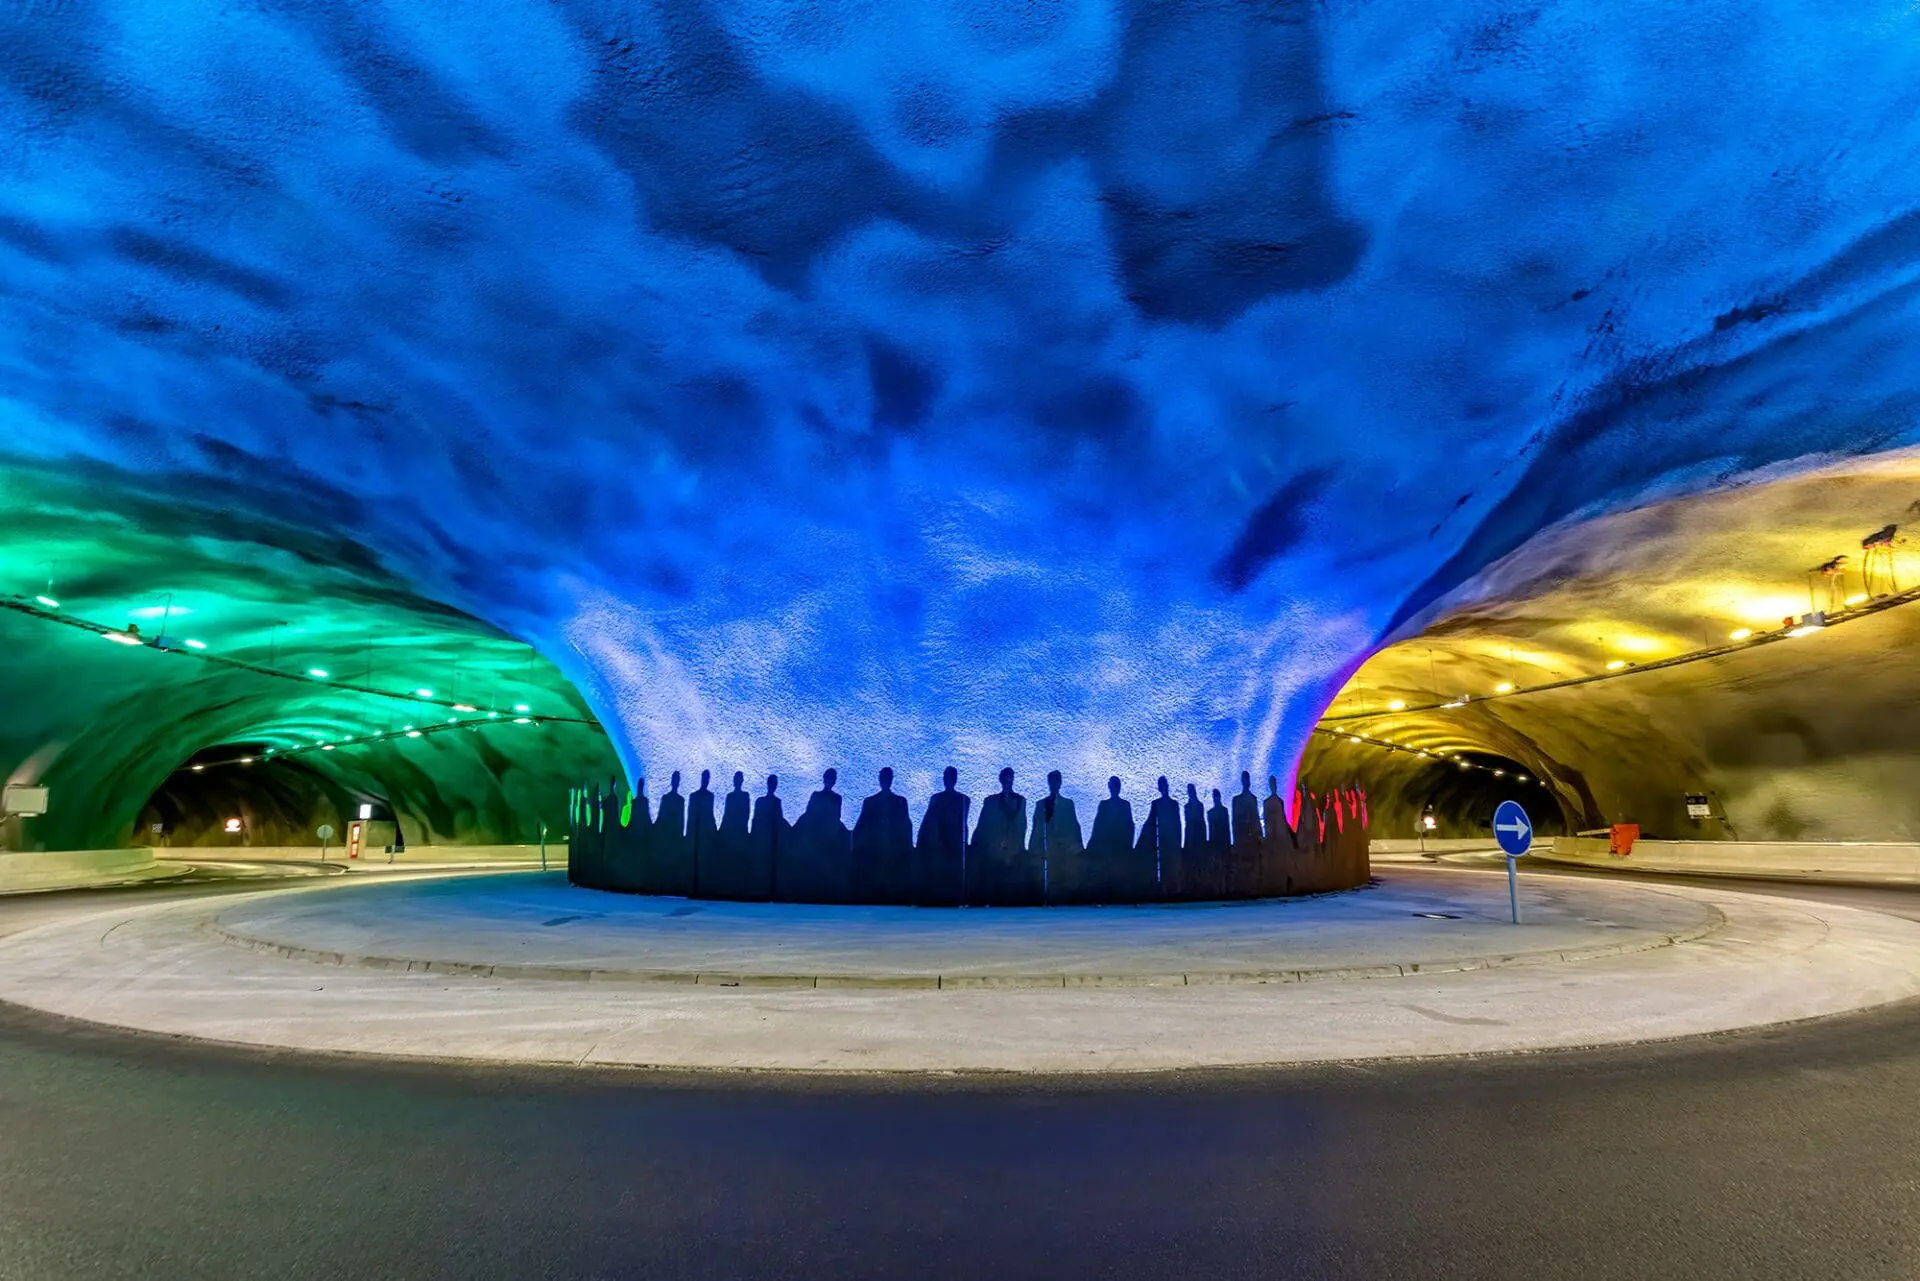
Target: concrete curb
955,982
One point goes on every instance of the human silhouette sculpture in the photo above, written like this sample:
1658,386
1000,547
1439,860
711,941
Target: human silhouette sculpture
1243,880
1277,858
629,844
1160,842
821,857
766,844
723,871
583,865
702,830
940,858
999,844
1220,846
1055,846
1112,866
1193,849
671,867
882,846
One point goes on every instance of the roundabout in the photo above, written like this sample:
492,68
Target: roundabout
520,968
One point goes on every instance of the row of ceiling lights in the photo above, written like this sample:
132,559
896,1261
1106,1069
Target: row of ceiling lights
363,740
130,635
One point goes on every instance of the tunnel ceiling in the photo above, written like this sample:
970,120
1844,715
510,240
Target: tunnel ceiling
1632,659
258,645
1081,385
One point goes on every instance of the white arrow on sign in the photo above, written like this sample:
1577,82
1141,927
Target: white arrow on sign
1518,827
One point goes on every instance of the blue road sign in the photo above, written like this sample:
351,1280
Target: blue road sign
1513,829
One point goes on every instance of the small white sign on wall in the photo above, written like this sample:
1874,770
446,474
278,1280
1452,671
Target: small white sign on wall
25,801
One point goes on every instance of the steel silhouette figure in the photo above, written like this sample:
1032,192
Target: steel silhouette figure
821,856
1193,850
940,859
629,845
1219,841
1114,868
1243,880
702,830
723,874
999,842
1276,862
767,844
882,845
1055,846
1160,842
670,870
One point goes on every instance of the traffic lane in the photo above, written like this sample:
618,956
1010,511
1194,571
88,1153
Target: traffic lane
1788,1152
1894,900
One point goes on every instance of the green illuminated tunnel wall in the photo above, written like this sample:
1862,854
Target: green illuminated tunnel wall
107,726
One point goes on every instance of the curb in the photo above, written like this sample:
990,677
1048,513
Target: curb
955,982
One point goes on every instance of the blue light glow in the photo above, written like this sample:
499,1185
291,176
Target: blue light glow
1072,385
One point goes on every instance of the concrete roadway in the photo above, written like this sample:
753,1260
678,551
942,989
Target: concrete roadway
1793,1152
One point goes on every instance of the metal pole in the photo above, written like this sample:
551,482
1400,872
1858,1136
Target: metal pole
1513,891
543,845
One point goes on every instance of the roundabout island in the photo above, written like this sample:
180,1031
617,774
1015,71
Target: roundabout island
522,968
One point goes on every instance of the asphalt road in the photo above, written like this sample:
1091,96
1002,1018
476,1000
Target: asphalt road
1786,1153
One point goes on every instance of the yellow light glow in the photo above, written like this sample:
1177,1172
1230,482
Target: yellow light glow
1858,598
1739,633
1639,644
1397,705
1504,687
1616,664
1770,609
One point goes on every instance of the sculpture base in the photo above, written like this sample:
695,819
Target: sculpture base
618,845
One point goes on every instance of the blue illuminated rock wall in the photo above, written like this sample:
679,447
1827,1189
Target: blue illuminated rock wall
1082,385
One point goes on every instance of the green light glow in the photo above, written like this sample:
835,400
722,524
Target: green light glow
108,726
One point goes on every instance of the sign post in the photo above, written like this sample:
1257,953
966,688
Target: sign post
1514,831
325,833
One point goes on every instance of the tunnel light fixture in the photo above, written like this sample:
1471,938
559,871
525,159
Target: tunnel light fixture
1809,624
246,760
1740,633
413,733
493,716
1616,664
121,638
1521,778
1858,598
326,747
191,643
521,707
464,707
523,720
48,601
318,673
199,769
1397,705
423,692
1504,687
1455,703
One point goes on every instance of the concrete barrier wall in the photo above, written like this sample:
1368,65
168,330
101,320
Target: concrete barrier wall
24,870
413,855
1450,845
1860,862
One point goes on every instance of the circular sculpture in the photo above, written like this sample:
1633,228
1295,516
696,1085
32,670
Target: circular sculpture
1010,855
